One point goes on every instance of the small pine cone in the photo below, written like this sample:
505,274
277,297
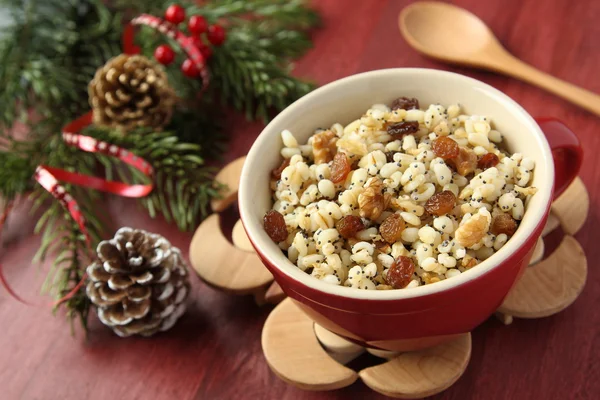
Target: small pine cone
139,283
131,91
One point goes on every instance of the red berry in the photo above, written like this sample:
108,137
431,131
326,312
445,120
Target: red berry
197,24
206,51
200,45
164,54
189,69
175,14
216,34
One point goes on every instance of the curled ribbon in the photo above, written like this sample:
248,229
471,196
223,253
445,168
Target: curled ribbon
49,178
170,30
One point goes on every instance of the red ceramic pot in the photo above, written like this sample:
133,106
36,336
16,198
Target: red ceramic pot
427,315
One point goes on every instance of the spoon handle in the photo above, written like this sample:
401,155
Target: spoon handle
520,70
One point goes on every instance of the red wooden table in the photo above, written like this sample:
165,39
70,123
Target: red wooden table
214,351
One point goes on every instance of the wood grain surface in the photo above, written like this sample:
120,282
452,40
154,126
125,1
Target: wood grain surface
214,351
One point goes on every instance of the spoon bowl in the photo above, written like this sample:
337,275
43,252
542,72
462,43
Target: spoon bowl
451,34
439,31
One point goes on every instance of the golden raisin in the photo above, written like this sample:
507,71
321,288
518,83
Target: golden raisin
504,223
445,148
405,103
391,228
276,173
372,201
400,129
324,146
340,168
488,160
349,226
400,273
465,162
274,224
441,203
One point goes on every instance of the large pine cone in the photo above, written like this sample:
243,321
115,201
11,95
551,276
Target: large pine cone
139,283
131,91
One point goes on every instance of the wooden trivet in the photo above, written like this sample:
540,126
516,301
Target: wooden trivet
308,356
230,267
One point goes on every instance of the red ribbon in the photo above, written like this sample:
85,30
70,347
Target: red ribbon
49,178
170,30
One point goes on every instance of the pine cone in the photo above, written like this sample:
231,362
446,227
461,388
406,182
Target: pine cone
131,91
139,283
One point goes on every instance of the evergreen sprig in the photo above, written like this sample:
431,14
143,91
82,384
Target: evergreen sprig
183,183
50,50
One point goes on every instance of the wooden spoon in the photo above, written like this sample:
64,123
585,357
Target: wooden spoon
452,34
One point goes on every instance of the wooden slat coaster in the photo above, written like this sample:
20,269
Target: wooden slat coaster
572,207
338,348
230,176
239,237
274,294
549,286
223,265
294,354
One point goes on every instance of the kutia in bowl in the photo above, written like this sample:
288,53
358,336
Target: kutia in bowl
440,193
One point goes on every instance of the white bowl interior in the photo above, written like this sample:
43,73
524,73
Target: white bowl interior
346,100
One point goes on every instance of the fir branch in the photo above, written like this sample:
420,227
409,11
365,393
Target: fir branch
183,184
16,172
61,237
49,52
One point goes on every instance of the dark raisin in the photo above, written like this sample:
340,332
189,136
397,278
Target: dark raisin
405,103
488,160
274,224
400,273
440,203
276,173
389,156
404,128
349,226
503,223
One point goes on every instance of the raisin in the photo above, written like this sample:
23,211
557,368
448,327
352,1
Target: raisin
340,168
400,273
403,128
275,226
441,203
465,163
488,160
445,148
405,103
391,228
276,173
389,156
349,226
504,223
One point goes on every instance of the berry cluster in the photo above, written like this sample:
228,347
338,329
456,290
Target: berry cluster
199,30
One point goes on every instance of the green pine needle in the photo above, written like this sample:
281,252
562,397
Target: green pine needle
49,52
